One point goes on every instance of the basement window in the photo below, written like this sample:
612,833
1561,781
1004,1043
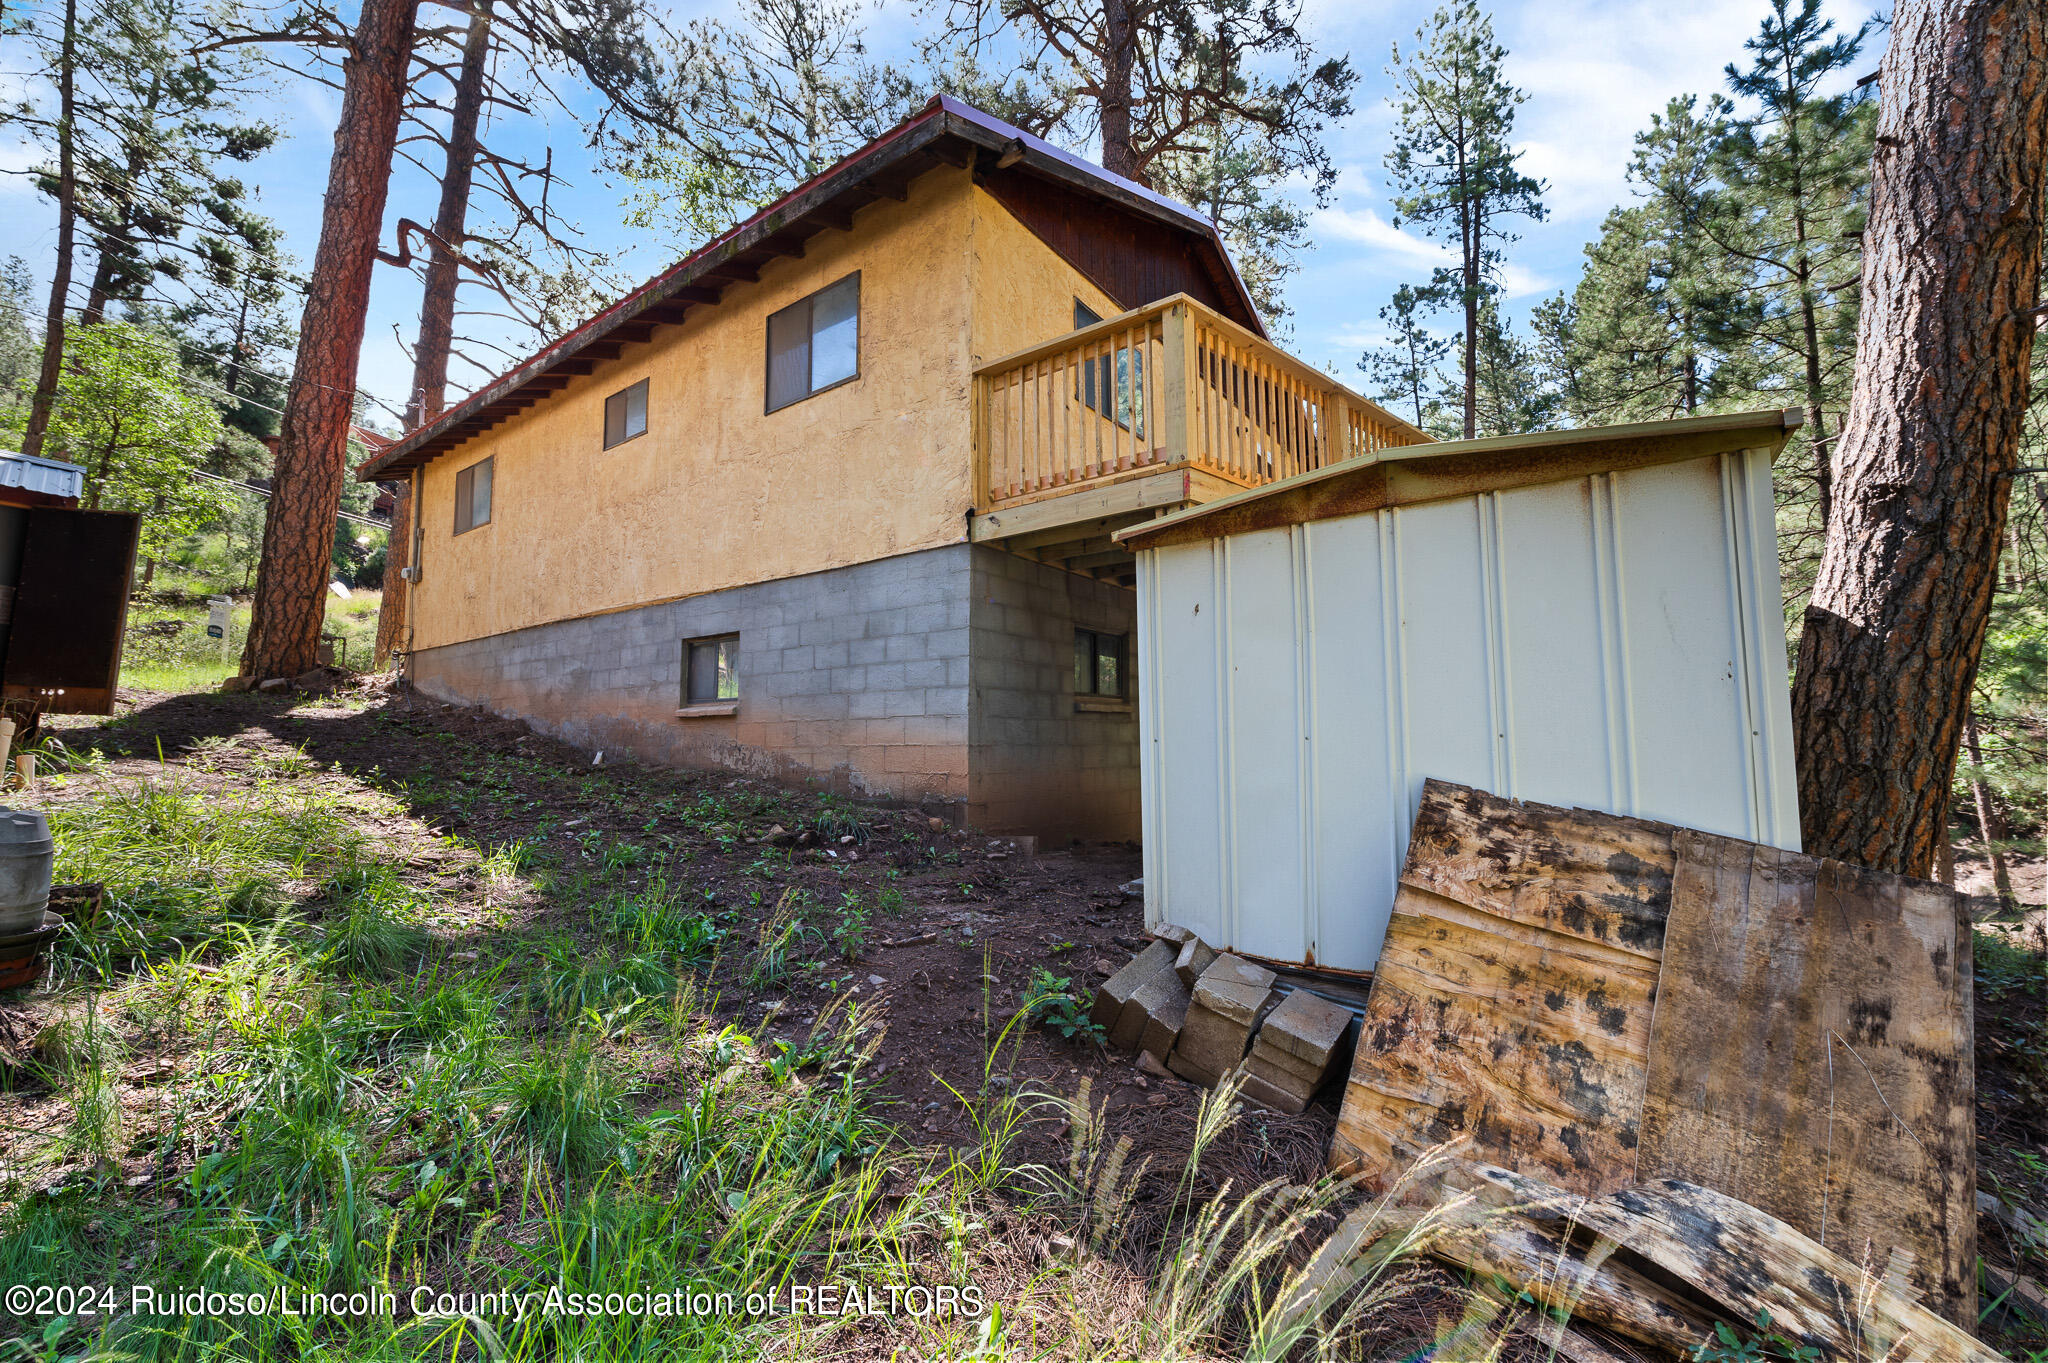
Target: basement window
1098,664
711,676
473,496
814,344
625,414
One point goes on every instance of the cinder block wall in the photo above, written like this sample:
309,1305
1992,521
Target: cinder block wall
857,677
1036,764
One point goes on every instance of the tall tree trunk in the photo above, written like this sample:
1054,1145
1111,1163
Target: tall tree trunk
67,227
312,451
1990,827
1120,59
1469,241
437,309
1951,260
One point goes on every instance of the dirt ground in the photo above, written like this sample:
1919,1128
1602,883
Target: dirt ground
966,920
944,976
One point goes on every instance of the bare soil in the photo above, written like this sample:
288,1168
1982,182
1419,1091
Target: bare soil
945,975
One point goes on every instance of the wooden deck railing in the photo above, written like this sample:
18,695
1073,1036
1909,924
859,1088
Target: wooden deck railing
1170,383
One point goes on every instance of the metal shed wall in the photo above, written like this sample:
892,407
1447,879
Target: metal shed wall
1613,641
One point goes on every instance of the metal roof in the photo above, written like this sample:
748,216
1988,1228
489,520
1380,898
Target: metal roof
49,477
811,207
1409,474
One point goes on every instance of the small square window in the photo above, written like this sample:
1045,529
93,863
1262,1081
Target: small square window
625,414
1098,663
473,496
814,343
711,670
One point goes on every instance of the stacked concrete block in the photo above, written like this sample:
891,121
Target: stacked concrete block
1162,1005
1195,957
1295,1052
1227,1004
1116,993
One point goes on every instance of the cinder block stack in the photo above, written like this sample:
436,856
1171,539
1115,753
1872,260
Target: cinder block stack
1116,991
1198,1013
1295,1051
1227,1004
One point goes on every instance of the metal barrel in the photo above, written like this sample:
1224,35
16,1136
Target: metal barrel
27,855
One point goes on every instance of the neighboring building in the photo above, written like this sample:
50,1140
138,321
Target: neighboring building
64,581
1586,618
831,498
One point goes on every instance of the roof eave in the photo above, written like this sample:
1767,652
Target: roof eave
944,117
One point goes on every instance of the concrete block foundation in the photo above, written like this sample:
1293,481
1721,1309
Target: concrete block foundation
942,678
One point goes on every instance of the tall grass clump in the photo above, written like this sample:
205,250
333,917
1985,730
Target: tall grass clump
370,932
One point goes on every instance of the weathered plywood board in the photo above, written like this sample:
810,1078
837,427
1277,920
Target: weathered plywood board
1599,1002
1512,1003
1812,1053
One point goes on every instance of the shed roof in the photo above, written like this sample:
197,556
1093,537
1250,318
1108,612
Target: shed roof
45,477
1409,474
945,132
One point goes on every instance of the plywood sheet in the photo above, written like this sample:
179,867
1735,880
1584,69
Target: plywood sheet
1811,1054
1512,1003
1599,1002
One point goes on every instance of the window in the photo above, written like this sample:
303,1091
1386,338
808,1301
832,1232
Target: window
1113,386
625,414
1098,663
711,670
814,344
473,496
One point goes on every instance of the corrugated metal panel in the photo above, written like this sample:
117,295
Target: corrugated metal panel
46,476
1612,641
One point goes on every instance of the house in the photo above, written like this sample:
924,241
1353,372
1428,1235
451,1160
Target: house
65,574
1582,618
831,498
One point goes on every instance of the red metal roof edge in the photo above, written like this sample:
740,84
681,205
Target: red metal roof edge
940,109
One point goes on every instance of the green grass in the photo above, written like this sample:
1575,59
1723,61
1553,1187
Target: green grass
154,658
355,1111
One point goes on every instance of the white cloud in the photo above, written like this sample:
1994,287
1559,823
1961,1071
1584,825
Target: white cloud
1365,227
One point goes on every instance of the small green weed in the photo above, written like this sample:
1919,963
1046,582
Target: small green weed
1051,1002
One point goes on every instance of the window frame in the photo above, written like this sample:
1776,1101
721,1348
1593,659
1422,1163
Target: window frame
1095,638
768,404
645,415
465,496
712,704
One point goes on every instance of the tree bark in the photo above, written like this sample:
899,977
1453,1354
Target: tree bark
67,228
437,309
1120,59
1923,470
312,452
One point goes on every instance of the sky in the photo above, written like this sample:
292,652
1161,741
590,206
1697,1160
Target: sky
1593,70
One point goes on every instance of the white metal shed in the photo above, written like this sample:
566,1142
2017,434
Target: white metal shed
1581,618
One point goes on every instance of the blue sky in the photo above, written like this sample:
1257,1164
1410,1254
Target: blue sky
1594,71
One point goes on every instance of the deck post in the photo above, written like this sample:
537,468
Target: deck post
984,450
1179,387
1336,419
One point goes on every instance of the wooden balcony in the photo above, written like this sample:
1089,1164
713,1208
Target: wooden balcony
1162,407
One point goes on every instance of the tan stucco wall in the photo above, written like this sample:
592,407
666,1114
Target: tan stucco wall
717,493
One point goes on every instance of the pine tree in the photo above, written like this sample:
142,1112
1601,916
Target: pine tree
1454,170
1904,597
1658,295
1511,397
1795,174
762,104
1219,103
1404,371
